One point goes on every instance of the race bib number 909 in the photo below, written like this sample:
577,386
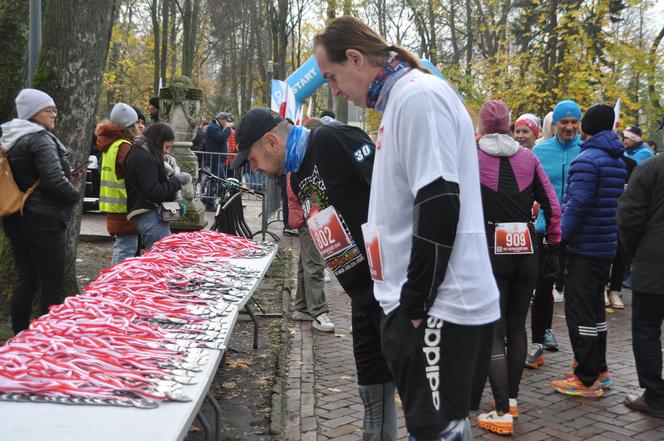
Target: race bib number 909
512,238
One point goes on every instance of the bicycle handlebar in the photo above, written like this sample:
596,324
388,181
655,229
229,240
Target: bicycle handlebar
232,184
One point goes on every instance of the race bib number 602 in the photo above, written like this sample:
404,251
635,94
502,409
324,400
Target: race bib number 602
328,233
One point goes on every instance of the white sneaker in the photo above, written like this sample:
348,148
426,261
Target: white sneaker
302,316
327,276
616,301
323,323
500,424
558,297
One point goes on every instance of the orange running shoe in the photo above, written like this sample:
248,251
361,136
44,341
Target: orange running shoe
573,386
500,424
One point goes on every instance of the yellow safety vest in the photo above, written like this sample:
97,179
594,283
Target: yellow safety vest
112,191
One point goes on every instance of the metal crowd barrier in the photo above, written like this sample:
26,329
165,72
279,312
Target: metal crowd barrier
219,164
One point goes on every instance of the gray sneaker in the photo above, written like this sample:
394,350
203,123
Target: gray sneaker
323,323
550,342
535,357
302,316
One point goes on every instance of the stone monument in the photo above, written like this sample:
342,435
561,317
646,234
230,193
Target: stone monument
180,106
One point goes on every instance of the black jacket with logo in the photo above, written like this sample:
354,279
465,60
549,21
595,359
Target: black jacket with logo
336,171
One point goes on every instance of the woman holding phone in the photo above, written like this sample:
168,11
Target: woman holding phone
149,184
38,237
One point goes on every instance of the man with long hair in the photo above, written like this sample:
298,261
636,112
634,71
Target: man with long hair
425,234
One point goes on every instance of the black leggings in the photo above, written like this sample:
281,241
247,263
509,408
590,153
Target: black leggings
618,269
39,244
541,316
516,276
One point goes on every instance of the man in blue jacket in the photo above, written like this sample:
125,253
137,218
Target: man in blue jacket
216,142
597,178
635,148
556,155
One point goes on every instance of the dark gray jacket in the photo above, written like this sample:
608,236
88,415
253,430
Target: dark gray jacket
41,156
641,225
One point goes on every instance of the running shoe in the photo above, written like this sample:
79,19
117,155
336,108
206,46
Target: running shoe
500,424
615,300
535,357
573,386
605,382
514,410
323,323
291,231
550,342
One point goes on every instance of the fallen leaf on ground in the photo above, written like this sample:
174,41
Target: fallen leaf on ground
333,389
229,385
238,363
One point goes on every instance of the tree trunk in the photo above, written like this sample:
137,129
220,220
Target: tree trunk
341,104
331,15
156,34
469,39
163,61
190,23
70,70
13,47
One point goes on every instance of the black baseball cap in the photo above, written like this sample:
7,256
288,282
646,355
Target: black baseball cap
253,125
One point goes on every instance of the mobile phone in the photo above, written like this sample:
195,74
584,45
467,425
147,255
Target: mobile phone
81,167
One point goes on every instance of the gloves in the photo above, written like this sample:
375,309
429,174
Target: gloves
183,178
551,265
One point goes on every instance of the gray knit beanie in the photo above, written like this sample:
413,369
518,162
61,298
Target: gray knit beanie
123,115
30,102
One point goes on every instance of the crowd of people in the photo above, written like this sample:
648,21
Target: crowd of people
442,232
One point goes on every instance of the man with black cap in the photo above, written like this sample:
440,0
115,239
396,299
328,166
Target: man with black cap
596,179
331,169
216,142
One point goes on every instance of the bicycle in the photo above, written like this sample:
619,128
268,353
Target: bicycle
229,211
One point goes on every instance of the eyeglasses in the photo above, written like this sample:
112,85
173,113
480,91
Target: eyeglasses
51,110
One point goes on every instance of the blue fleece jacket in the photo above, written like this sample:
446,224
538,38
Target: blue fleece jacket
596,179
639,153
556,157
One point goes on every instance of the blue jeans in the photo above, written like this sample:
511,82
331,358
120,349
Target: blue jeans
124,247
152,228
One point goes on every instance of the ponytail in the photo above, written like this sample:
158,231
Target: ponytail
348,32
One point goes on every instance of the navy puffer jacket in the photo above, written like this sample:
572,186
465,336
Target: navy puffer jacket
596,179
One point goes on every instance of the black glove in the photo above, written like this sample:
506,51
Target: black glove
551,265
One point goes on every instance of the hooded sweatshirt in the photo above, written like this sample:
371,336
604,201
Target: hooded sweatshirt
14,130
597,178
512,179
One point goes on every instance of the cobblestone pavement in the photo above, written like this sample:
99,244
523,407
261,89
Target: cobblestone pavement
323,403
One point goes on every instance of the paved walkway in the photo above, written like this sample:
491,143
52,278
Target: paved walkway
323,403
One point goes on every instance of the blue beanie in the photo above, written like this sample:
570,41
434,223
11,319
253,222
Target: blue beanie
566,109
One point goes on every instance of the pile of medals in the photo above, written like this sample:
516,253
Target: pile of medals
137,333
